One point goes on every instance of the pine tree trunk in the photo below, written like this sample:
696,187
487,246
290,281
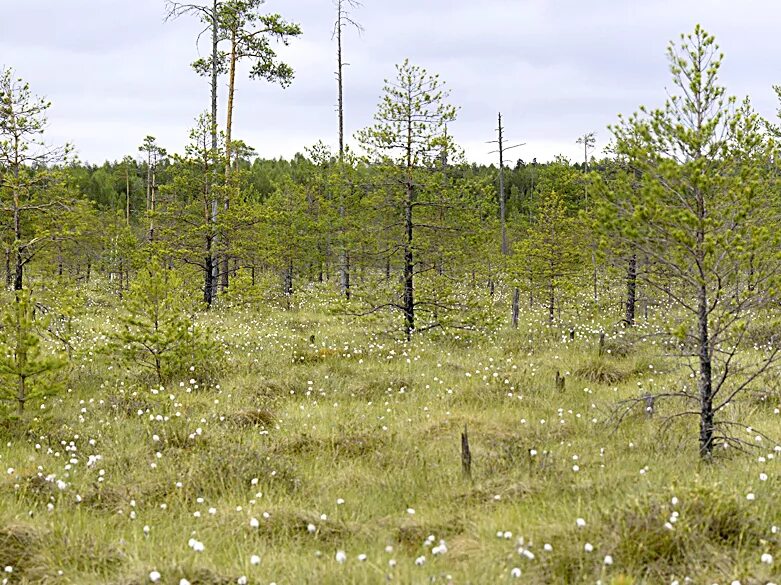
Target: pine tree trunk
8,277
152,203
409,291
551,303
706,377
224,268
705,381
19,269
344,254
631,290
214,133
208,285
516,306
127,195
21,396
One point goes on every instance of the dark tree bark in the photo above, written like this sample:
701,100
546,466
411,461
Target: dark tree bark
631,290
409,289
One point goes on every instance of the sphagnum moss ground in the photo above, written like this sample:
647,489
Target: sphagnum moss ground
339,462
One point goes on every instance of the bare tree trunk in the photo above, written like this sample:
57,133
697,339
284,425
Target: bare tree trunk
19,268
21,396
705,381
502,203
208,285
8,277
288,280
516,306
224,268
551,303
127,194
153,204
344,259
409,290
215,269
149,181
631,290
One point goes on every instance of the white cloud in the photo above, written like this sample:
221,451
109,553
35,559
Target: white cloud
116,71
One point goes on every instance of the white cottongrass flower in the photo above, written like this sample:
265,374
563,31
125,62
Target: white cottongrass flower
608,560
154,576
515,573
580,522
184,582
254,522
440,549
341,556
588,547
526,553
362,557
254,560
420,561
767,558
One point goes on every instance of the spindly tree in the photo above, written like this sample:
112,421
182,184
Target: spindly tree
29,188
705,214
190,229
155,154
343,20
407,141
549,259
250,34
24,361
208,12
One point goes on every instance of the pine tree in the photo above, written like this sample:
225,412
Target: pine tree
706,215
23,360
408,139
158,330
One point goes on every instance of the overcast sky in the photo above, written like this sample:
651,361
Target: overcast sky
116,72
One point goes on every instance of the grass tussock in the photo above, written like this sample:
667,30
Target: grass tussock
659,535
601,370
19,544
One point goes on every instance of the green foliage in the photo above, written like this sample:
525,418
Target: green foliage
159,332
252,33
696,199
26,366
550,259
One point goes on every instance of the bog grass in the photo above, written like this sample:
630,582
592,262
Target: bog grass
306,447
